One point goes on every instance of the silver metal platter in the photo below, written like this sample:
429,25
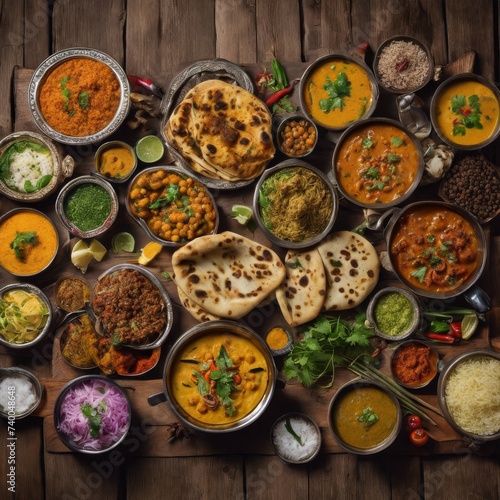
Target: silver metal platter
181,84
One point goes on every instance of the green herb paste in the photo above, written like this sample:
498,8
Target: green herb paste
393,313
88,206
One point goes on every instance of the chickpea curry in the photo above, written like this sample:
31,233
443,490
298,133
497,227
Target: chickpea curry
434,249
175,208
219,378
377,164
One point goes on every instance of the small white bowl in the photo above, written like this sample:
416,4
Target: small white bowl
37,390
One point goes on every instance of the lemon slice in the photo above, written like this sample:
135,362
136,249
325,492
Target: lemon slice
469,325
80,245
149,149
81,259
98,250
123,242
149,252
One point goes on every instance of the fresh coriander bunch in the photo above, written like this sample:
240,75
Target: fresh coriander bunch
328,342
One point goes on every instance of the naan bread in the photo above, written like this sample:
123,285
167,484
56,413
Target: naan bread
352,269
226,274
223,131
302,293
196,311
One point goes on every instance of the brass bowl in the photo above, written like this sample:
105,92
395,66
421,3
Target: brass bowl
62,167
45,68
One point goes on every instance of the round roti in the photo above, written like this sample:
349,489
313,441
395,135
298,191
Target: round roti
352,269
196,311
302,293
223,131
226,274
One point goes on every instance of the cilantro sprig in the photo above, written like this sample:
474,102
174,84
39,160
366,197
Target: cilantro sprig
22,241
94,416
468,111
327,343
337,90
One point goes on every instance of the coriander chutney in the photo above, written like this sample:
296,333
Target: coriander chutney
393,314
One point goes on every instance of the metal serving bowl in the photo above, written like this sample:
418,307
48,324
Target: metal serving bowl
343,56
463,77
47,327
66,190
59,416
143,223
105,147
281,130
199,331
37,391
290,164
444,377
352,130
352,386
45,68
403,38
62,166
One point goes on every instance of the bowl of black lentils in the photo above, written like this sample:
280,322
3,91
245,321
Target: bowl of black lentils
473,183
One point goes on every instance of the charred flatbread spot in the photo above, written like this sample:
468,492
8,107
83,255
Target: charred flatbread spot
200,294
244,141
255,121
267,256
293,290
220,106
353,272
194,279
237,274
354,263
211,148
239,125
228,284
370,273
304,281
265,137
346,254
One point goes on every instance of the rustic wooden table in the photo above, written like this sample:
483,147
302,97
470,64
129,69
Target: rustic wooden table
156,39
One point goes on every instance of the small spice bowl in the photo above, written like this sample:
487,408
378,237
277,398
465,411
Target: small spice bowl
279,340
414,364
115,161
400,58
296,136
27,393
394,313
81,191
296,438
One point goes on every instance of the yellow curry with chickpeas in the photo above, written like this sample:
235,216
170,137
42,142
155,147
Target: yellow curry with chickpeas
175,208
219,378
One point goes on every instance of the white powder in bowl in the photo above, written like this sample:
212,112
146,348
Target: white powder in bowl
21,389
288,446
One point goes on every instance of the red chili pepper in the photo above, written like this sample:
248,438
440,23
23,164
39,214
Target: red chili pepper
442,337
466,111
144,85
456,329
274,98
402,65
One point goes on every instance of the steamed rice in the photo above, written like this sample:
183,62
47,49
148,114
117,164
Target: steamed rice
288,447
415,73
28,165
473,396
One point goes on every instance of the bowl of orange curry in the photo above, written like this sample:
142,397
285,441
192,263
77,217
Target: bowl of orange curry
79,96
377,163
438,250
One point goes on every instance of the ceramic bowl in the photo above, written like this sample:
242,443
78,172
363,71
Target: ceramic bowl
115,412
48,316
51,63
32,395
62,167
66,192
257,205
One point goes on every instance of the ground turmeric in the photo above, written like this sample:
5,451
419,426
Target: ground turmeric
277,338
116,162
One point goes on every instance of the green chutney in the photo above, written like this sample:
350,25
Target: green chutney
393,313
88,206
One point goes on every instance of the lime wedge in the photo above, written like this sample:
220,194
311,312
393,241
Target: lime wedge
123,242
149,149
469,325
97,249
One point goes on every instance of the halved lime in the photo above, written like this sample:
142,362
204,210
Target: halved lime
469,325
123,242
241,213
149,149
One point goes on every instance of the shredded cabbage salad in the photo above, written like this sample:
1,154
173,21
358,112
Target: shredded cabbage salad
94,415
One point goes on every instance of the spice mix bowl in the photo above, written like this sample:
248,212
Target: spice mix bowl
296,136
115,161
79,96
87,206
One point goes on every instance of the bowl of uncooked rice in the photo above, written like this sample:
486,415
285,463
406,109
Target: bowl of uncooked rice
403,64
469,394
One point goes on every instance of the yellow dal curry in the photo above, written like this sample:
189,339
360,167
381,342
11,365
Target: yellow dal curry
35,253
200,358
467,112
337,93
350,407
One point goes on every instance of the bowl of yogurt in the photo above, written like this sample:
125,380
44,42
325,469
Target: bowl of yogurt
20,393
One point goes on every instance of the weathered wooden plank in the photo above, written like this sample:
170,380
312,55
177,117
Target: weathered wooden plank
37,34
311,21
236,31
72,476
95,24
173,32
11,55
196,478
278,30
479,35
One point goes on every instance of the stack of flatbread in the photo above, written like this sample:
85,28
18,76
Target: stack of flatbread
225,275
337,274
222,131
